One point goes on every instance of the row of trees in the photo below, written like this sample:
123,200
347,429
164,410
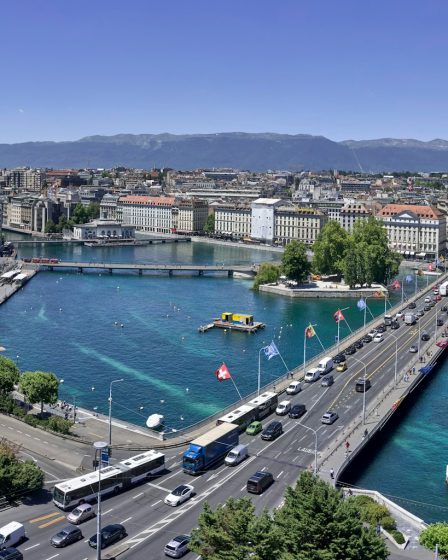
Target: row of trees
295,266
314,523
362,257
80,215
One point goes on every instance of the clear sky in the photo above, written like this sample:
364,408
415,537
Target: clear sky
340,68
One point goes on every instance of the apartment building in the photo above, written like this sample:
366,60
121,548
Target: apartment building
297,224
234,220
148,213
23,179
189,216
414,229
352,212
29,213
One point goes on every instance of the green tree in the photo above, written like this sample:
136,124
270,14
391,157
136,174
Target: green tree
267,274
330,249
295,263
209,226
316,523
40,387
17,477
436,533
9,375
50,227
234,532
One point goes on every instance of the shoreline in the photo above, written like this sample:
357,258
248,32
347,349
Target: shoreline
317,290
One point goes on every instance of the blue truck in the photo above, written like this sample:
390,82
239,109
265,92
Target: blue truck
209,449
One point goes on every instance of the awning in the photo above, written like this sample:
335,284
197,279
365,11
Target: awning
412,253
421,254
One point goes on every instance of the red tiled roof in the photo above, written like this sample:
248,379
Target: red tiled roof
148,200
422,211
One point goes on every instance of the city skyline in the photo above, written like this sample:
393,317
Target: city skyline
320,69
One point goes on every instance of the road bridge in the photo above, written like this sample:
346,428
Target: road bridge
169,269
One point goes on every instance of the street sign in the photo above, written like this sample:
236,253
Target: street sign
104,457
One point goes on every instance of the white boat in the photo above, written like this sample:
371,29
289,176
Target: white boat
155,421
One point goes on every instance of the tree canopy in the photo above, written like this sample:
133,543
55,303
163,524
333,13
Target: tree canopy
209,226
40,387
17,477
9,375
267,273
81,215
295,263
330,249
314,523
436,533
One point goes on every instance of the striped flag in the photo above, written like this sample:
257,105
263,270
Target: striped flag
338,316
309,331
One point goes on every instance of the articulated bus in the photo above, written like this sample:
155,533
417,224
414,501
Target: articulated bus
264,404
242,416
113,479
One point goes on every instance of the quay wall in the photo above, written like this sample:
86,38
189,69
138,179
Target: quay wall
319,293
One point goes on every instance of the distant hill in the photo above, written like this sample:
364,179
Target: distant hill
240,150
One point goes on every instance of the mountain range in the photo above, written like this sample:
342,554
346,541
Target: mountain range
257,152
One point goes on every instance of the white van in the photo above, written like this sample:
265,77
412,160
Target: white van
283,408
236,455
293,388
11,534
312,375
325,365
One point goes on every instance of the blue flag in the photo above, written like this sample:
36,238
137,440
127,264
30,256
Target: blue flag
361,304
271,350
408,278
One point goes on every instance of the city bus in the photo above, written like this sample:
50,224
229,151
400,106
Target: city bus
264,404
242,416
113,479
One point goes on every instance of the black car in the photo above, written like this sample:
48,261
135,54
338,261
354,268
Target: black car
367,338
395,325
297,411
425,336
272,430
11,553
381,329
339,358
444,308
358,344
412,305
427,307
67,535
439,322
109,534
350,350
258,482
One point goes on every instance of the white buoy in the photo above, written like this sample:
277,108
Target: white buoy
154,421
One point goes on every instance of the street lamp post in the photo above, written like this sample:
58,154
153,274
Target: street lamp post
315,444
110,409
99,446
419,341
396,357
259,370
364,392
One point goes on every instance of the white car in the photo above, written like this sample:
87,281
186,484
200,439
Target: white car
399,315
294,387
179,495
427,299
372,333
283,408
378,338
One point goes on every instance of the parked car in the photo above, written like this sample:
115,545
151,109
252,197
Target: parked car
381,329
259,481
80,514
297,411
10,553
412,305
444,308
425,336
378,338
180,494
427,307
372,333
367,338
327,381
438,297
413,349
66,536
358,344
177,547
427,299
339,358
420,313
294,387
254,428
109,534
435,291
342,366
395,325
329,417
399,315
350,350
272,430
283,408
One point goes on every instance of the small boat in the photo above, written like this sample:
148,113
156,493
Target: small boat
155,421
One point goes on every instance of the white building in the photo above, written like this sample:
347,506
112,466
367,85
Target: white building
233,220
148,213
262,224
103,229
190,216
415,230
352,212
297,224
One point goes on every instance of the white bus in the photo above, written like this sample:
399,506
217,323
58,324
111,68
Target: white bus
113,479
242,416
264,404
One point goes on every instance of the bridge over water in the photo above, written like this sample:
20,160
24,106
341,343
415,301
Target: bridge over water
169,269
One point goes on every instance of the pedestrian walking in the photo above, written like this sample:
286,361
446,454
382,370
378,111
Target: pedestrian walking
347,446
366,433
332,474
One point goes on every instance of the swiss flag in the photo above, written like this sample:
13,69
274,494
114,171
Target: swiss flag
338,316
223,373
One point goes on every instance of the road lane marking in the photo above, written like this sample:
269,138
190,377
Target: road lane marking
157,486
30,547
51,557
280,474
108,511
46,516
138,495
125,520
155,503
243,488
52,522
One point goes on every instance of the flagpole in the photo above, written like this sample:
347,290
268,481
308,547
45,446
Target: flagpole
402,291
320,342
416,276
365,312
284,363
259,370
239,394
338,336
304,352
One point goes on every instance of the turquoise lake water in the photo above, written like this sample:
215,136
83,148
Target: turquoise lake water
65,323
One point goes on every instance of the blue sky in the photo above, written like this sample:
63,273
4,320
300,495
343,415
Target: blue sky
340,68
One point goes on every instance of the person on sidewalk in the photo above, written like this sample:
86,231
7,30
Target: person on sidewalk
332,474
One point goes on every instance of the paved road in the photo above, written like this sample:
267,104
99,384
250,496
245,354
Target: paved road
150,523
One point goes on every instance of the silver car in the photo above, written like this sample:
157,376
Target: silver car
80,514
178,547
329,417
